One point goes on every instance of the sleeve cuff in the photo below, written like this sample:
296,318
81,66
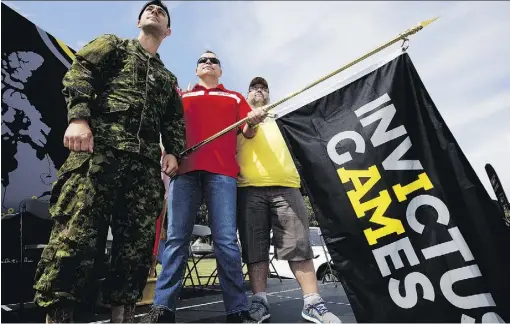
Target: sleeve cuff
79,111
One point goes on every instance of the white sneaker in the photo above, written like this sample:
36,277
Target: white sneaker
319,313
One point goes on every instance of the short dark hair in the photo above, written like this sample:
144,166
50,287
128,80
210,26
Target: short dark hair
157,3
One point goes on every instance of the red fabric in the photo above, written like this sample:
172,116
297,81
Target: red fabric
206,112
158,221
158,235
166,181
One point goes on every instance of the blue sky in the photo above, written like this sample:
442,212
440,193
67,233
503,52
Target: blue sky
77,22
462,58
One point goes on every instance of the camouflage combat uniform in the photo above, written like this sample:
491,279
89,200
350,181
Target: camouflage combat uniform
128,98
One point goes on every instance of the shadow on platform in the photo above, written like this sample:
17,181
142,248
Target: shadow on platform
285,300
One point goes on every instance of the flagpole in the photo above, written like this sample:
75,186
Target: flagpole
402,36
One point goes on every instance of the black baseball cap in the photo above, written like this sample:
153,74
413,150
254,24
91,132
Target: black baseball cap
258,80
157,3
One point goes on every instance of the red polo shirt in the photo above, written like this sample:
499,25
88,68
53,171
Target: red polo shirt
207,112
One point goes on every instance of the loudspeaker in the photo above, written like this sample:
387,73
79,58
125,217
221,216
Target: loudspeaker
24,236
35,230
11,259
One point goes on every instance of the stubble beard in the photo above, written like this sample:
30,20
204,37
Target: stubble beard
258,103
153,31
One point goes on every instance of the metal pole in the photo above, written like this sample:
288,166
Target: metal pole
401,36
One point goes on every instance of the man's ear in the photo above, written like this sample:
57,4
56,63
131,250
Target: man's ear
138,24
168,32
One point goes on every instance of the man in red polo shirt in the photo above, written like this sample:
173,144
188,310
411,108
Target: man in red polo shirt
209,173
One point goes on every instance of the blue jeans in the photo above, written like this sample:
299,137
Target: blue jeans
185,194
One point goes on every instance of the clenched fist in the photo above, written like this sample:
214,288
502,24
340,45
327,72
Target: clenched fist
78,136
256,116
169,165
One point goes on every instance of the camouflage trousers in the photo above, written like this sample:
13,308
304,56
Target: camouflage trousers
93,191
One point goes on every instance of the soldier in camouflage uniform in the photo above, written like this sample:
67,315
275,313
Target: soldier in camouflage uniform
120,99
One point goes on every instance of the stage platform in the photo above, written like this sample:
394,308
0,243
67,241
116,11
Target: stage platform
285,301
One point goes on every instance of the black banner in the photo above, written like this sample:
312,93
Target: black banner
34,114
404,215
500,193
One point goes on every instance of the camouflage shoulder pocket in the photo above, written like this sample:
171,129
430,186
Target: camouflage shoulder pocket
98,49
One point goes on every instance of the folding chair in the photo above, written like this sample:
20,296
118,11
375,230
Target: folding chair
272,255
274,272
200,231
214,274
327,260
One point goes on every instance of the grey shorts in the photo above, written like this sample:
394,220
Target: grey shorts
281,209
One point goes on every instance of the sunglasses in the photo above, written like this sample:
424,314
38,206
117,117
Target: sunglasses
213,60
264,89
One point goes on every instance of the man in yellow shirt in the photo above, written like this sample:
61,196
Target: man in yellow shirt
269,198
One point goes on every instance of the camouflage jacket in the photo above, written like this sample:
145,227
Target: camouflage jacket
128,97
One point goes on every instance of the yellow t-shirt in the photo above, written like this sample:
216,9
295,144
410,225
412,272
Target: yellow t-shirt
265,159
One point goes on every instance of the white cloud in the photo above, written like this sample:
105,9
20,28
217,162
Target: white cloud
462,58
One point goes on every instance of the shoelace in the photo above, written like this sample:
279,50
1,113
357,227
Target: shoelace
320,308
257,306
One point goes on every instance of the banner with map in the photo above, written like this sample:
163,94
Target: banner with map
34,114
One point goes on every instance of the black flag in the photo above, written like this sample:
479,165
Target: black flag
500,193
402,211
34,113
